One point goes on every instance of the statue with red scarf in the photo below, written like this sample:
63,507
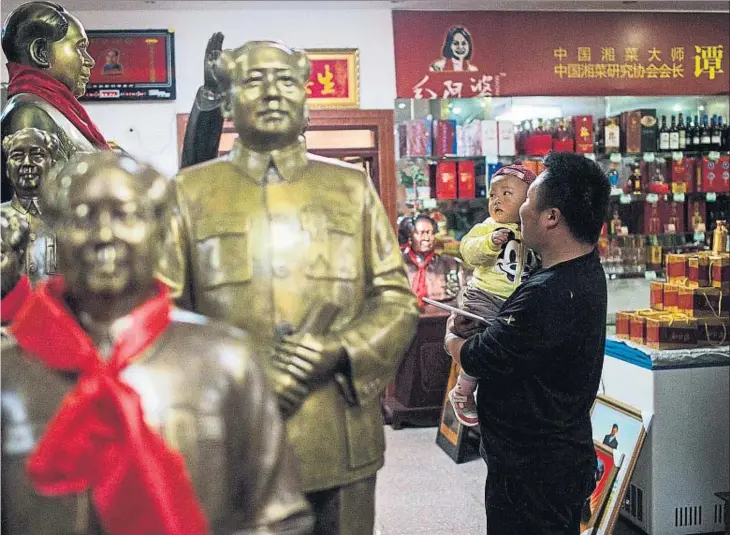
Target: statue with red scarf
438,277
121,414
49,67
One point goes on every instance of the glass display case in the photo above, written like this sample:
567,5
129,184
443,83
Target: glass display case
668,159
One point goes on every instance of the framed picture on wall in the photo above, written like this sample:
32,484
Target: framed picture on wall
335,78
131,65
607,468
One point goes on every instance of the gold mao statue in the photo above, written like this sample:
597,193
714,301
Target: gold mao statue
120,413
297,249
30,154
48,67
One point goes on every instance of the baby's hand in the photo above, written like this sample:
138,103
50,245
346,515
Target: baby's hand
501,236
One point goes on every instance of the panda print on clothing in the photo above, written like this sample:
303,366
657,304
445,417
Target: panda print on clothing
515,261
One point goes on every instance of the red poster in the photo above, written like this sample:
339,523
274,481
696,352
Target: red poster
328,79
334,80
457,54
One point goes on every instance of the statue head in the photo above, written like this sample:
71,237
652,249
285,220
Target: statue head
264,87
423,238
109,212
30,154
46,36
15,232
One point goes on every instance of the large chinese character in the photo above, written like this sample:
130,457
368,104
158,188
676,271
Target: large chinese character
308,87
452,89
600,70
608,53
708,59
589,70
561,70
631,55
677,70
654,54
584,53
575,70
639,71
418,90
677,54
612,70
626,70
325,78
652,71
665,71
482,87
560,53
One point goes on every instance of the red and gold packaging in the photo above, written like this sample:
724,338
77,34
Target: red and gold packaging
583,128
467,180
637,324
720,271
446,180
653,218
715,174
671,331
676,268
654,257
698,271
704,302
656,295
683,175
623,324
696,214
670,300
672,215
713,331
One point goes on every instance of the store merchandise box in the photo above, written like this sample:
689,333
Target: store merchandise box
507,145
720,271
673,217
676,268
671,331
469,139
656,295
640,131
653,217
683,175
698,271
490,137
637,324
671,297
444,137
654,176
715,175
623,324
446,180
466,188
419,137
704,302
538,144
583,128
713,331
696,214
564,145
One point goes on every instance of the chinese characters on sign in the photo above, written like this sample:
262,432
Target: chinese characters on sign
334,78
708,62
471,85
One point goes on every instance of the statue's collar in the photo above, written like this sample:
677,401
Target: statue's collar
25,206
288,161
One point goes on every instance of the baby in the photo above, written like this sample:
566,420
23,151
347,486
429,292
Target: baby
501,263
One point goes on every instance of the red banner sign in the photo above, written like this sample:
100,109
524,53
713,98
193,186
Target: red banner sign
455,54
334,80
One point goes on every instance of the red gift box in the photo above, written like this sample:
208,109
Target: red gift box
672,214
563,145
446,180
444,137
538,144
583,128
467,180
653,218
683,175
696,213
716,174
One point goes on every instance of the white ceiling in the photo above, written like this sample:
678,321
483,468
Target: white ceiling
437,5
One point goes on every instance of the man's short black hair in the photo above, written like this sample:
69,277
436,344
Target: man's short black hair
425,217
44,20
578,188
615,426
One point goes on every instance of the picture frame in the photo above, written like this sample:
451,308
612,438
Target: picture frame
453,437
132,65
626,443
608,467
334,81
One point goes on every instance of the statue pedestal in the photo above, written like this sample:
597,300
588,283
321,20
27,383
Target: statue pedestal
417,393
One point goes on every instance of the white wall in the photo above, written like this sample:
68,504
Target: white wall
149,131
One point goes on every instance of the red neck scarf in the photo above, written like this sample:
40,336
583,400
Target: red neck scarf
98,438
29,79
419,285
11,303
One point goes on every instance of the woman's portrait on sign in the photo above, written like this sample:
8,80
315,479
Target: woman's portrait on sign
457,52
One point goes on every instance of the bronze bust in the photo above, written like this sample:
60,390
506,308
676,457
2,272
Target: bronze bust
105,382
297,249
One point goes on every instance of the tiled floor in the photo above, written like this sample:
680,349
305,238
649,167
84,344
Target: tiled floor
421,491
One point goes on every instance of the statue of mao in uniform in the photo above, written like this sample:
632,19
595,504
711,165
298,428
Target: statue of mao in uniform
297,249
120,413
48,67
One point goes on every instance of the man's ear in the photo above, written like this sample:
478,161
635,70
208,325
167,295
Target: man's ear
39,53
552,217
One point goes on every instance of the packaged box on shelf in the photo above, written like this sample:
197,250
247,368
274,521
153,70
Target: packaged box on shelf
676,268
637,324
671,297
653,218
446,179
713,331
656,295
683,175
583,128
469,139
538,144
631,128
696,218
623,324
490,137
698,271
507,145
419,137
715,174
563,145
673,217
720,271
671,331
466,188
641,131
705,302
444,137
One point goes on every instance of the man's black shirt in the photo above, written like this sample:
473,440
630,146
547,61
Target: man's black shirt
539,366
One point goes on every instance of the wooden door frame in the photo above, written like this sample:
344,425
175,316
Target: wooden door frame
381,122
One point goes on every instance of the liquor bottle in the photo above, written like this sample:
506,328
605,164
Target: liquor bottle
615,223
705,135
599,136
673,135
663,135
716,133
726,136
696,133
540,127
612,137
682,129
